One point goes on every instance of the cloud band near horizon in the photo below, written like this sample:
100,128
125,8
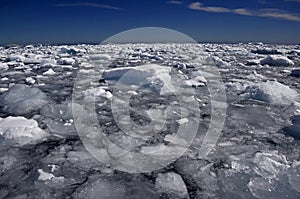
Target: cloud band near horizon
270,13
88,4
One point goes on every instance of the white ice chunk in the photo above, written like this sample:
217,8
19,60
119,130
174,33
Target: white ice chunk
270,165
271,92
197,81
3,66
30,80
49,72
217,61
98,92
44,176
144,74
31,60
182,121
66,61
172,183
22,99
277,60
21,130
19,58
3,90
100,57
163,151
175,139
4,79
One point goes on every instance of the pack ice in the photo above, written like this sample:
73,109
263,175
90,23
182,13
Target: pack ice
43,156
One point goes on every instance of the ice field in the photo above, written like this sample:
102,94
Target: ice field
154,104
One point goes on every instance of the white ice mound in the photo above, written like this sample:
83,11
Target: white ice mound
20,130
3,66
277,60
171,183
100,57
266,51
142,75
270,165
271,92
98,92
22,99
217,61
30,80
14,57
49,72
66,61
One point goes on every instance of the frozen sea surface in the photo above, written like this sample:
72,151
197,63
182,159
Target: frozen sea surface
156,87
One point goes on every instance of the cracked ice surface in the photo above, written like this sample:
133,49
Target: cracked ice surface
42,155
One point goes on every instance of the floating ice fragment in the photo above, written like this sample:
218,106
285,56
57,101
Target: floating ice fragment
100,57
182,121
30,80
175,139
31,61
49,72
44,176
98,92
277,60
4,79
66,61
21,130
18,58
22,99
3,66
266,51
270,165
171,183
271,92
3,90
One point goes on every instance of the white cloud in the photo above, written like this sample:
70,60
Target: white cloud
88,4
242,11
199,6
285,16
270,13
175,2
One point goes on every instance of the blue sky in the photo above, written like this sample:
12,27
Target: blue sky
78,21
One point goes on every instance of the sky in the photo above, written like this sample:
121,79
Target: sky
78,21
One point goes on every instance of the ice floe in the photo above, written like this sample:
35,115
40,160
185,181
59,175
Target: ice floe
171,183
66,61
271,92
22,99
277,60
21,130
49,72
